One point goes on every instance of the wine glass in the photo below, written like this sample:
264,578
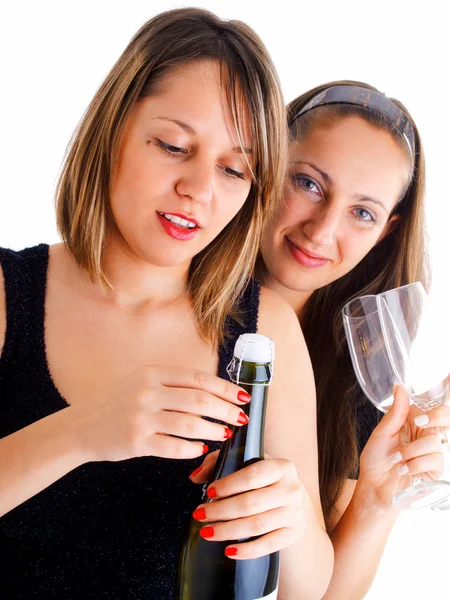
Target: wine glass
368,351
381,361
411,331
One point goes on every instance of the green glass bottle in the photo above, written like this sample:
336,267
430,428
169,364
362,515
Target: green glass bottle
205,573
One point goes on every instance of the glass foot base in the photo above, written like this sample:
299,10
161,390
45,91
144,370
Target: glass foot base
422,494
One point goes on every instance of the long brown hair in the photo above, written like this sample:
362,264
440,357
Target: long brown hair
219,273
400,258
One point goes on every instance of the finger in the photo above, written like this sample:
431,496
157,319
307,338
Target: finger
253,477
437,417
166,446
206,382
248,527
431,464
205,405
189,426
202,473
428,444
394,419
250,503
263,546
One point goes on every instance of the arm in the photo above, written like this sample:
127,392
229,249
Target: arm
366,517
36,456
359,539
125,424
291,434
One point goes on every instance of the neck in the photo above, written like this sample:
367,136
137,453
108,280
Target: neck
297,299
138,285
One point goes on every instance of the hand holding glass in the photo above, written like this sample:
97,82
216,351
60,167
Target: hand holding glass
391,337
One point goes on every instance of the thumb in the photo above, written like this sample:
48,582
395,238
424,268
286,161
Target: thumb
395,418
202,473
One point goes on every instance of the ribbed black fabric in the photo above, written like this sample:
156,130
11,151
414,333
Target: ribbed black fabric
105,530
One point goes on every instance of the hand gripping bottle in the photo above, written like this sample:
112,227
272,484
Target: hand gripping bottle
205,572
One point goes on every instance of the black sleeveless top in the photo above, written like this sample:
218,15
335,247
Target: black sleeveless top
108,530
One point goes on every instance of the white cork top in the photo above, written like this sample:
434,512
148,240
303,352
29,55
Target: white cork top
254,347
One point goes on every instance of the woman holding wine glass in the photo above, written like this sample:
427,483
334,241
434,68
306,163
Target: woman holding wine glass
352,224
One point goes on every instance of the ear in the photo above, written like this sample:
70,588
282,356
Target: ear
390,226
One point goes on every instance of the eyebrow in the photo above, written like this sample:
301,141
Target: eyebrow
364,198
329,181
191,130
325,176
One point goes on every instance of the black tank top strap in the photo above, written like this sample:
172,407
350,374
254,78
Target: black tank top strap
25,275
248,310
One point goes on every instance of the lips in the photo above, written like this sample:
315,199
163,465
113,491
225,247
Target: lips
177,231
305,259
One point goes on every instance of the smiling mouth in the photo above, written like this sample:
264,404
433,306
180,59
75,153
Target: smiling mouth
178,221
305,259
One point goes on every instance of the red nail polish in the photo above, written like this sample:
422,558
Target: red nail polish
199,514
243,419
207,532
196,472
231,551
211,492
205,449
243,396
228,433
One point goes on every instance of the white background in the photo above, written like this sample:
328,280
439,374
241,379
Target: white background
53,56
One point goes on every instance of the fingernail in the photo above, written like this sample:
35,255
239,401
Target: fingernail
196,472
211,492
243,396
205,449
396,458
231,551
403,470
421,420
228,433
199,514
207,532
243,419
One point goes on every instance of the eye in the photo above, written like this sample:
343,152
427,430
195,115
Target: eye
364,215
172,150
232,173
303,182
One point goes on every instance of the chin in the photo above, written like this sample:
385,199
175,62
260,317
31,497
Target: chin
302,283
167,260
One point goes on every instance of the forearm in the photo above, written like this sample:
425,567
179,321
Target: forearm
359,540
35,457
307,566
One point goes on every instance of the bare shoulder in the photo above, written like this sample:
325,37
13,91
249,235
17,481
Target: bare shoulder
278,321
291,412
276,316
2,310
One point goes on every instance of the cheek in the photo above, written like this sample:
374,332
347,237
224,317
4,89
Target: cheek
230,203
294,210
354,248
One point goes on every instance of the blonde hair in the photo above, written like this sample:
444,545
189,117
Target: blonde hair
220,272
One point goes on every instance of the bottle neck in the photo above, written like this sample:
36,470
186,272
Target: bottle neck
254,431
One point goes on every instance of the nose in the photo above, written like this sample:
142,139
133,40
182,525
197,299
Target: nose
321,227
196,182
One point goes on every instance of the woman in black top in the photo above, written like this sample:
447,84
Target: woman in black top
111,341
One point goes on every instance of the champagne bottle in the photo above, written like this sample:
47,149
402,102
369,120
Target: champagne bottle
205,573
